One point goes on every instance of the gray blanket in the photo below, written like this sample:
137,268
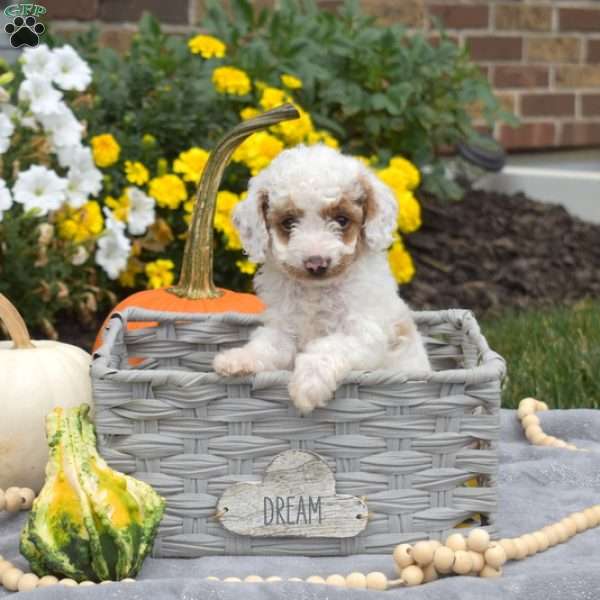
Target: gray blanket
537,486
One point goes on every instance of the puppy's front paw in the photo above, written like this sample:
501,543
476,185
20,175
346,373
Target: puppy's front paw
312,384
236,361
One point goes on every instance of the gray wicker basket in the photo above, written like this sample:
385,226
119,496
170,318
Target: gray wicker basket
406,442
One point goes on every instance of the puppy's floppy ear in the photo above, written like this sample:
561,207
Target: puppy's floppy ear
249,220
381,211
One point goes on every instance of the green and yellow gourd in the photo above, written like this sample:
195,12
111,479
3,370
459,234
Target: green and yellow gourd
89,522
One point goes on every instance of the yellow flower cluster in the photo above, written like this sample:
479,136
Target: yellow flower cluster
291,82
400,262
105,150
168,190
403,177
119,206
226,202
258,151
230,80
136,172
207,46
80,224
191,163
159,273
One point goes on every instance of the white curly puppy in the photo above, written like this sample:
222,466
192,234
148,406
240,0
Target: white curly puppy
321,222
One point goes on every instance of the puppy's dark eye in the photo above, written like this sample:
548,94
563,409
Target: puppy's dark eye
288,224
342,221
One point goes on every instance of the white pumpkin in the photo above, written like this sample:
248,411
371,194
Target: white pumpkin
35,377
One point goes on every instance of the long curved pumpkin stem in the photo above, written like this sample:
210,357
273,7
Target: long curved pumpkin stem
196,279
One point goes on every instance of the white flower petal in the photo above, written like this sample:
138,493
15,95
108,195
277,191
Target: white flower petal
43,98
114,247
72,72
6,200
141,211
39,61
41,188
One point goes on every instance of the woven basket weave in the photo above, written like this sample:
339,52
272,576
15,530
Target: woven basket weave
408,442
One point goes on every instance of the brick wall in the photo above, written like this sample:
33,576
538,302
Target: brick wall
541,56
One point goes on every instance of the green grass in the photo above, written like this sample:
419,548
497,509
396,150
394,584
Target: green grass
552,355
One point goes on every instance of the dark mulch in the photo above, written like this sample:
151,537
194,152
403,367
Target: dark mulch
492,251
489,252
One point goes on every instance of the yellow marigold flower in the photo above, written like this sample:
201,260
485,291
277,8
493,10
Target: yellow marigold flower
160,273
191,163
322,136
128,276
395,178
80,224
258,151
207,45
105,149
168,191
409,215
291,82
297,130
226,202
413,177
136,172
119,206
400,262
245,266
229,80
272,97
148,140
249,113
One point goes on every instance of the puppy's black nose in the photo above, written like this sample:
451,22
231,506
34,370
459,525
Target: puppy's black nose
317,265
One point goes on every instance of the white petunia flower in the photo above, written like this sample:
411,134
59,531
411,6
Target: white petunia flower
5,198
72,72
77,156
6,130
40,188
39,61
43,98
141,211
113,247
62,125
82,184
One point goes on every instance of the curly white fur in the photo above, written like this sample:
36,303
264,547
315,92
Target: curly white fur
322,328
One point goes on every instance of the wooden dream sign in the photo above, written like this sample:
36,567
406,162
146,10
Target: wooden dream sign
295,499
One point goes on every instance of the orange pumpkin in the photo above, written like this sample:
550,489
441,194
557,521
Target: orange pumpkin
196,291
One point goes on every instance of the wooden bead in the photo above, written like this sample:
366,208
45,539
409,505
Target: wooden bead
108,581
296,579
489,572
28,497
273,579
463,563
551,534
126,580
253,579
527,406
478,540
478,561
5,565
533,431
403,555
570,526
13,501
13,489
495,556
520,547
232,580
560,443
542,540
209,578
530,420
336,580
541,406
412,575
377,581
443,559
10,579
86,583
561,532
597,513
315,579
28,582
531,543
572,447
590,516
580,520
356,581
47,580
509,548
71,582
430,573
549,440
2,500
422,553
456,541
435,544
